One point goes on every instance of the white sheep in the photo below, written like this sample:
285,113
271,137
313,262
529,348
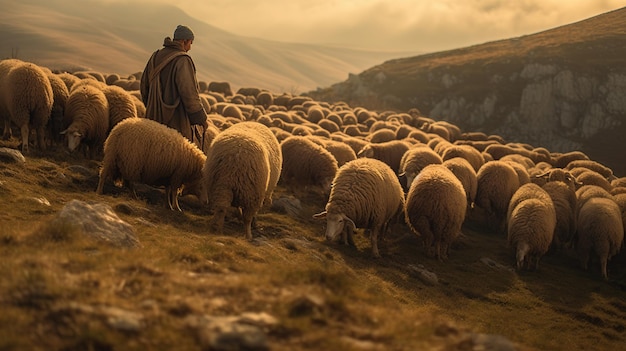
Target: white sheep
531,226
145,151
600,231
365,194
27,96
237,174
87,113
435,208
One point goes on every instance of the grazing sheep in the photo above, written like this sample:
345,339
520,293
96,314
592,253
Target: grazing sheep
464,171
522,160
328,125
342,152
531,229
87,112
497,182
220,87
145,151
237,173
27,96
274,152
381,136
562,160
390,152
414,160
590,177
265,99
600,231
564,200
522,173
435,208
525,192
121,104
69,79
473,156
595,166
306,163
365,194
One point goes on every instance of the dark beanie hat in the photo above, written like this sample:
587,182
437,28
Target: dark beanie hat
183,33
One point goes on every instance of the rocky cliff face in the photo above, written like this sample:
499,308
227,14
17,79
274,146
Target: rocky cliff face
563,89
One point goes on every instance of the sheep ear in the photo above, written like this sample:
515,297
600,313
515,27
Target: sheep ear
320,215
543,175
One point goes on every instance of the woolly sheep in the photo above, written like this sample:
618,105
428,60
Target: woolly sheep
306,163
328,125
522,160
531,229
237,173
562,160
87,111
525,192
522,173
595,166
220,87
265,99
341,151
365,194
590,177
121,105
381,136
27,96
389,152
473,156
414,160
587,192
497,182
600,231
464,171
435,208
564,200
145,151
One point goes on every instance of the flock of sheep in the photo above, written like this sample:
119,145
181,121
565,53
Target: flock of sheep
377,169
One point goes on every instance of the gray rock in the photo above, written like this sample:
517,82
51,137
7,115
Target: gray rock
98,221
490,342
245,332
11,155
424,274
289,205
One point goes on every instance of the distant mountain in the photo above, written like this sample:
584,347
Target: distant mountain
119,38
564,88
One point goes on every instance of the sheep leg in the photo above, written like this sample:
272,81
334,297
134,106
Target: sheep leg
24,131
6,134
218,220
41,137
103,174
374,241
248,217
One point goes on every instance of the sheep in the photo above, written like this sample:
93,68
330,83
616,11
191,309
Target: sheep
365,194
238,172
564,200
145,151
328,125
522,173
274,153
381,136
341,151
60,94
590,177
595,166
265,99
121,105
27,96
464,171
525,192
473,156
497,182
306,163
587,192
435,208
531,229
87,112
220,87
390,152
521,159
599,230
414,160
69,79
562,160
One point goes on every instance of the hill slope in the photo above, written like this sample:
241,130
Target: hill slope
564,89
119,38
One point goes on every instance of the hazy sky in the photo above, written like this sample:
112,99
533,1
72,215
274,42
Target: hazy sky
404,25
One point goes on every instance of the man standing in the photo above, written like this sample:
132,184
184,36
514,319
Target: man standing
169,87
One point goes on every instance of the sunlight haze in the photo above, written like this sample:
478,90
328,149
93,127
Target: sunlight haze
399,25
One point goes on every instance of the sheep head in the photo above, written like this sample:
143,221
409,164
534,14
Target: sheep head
74,138
335,224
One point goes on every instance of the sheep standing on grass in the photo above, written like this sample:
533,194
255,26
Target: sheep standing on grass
306,163
414,160
497,182
27,96
365,194
530,225
87,113
600,231
142,150
237,174
435,208
121,104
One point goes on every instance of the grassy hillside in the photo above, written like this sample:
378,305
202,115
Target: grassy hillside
59,289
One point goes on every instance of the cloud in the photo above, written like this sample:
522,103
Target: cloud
406,25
